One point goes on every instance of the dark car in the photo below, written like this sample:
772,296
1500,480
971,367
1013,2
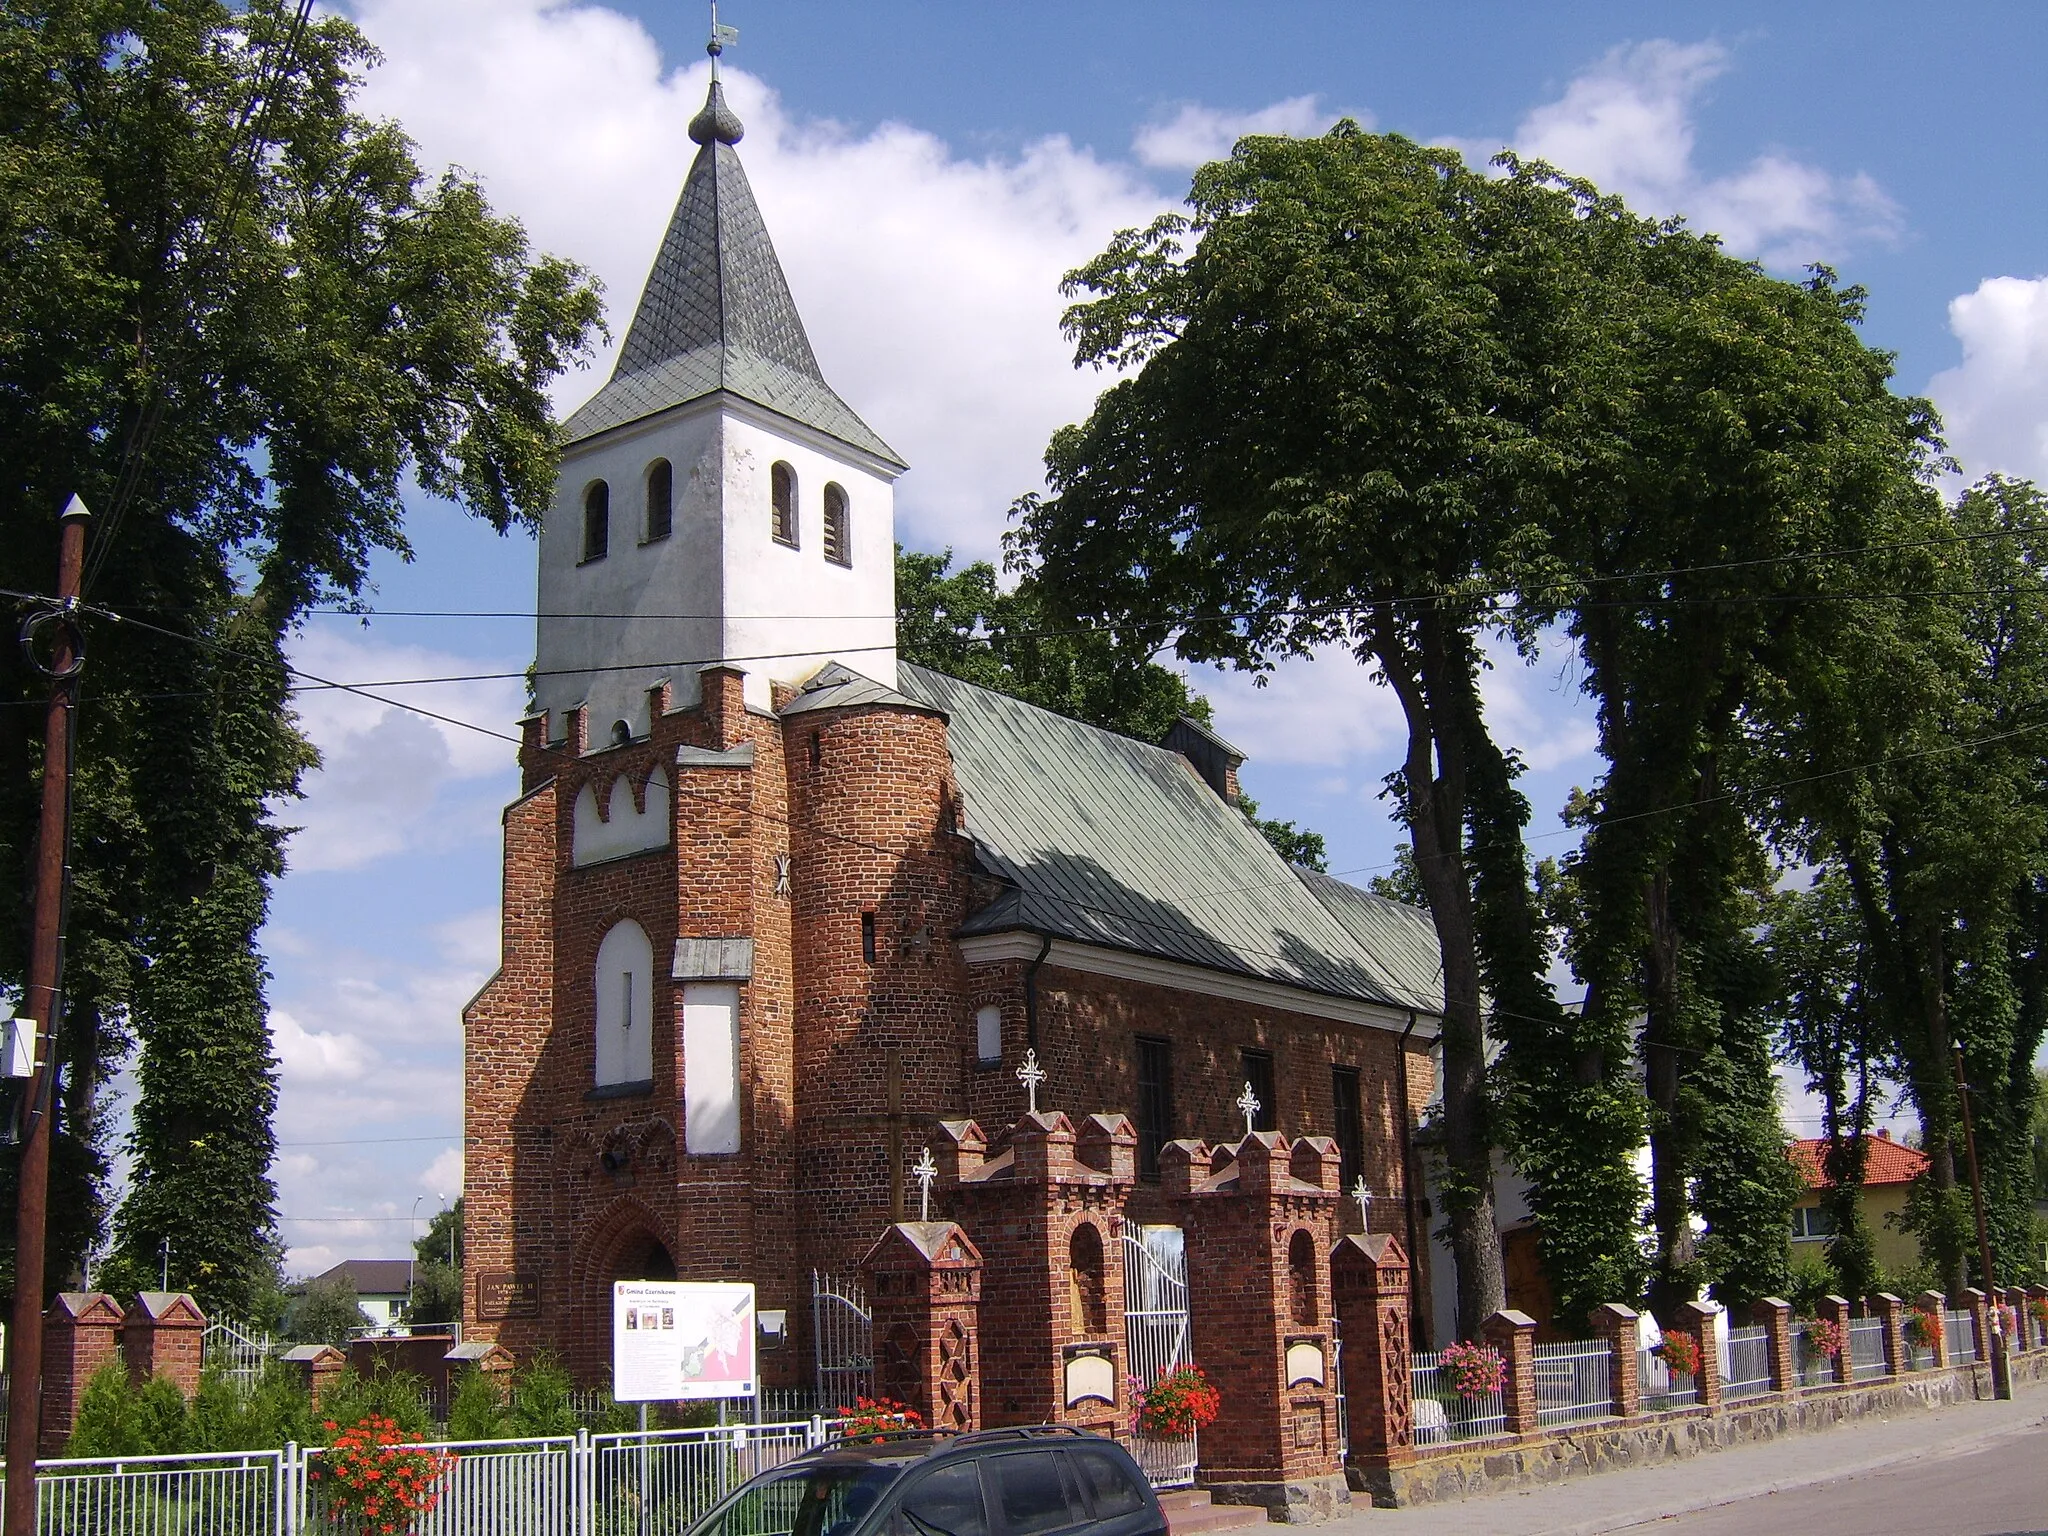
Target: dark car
997,1482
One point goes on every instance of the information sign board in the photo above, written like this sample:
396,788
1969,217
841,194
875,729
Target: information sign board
676,1339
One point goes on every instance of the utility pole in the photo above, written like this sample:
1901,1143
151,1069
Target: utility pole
2001,1367
42,1002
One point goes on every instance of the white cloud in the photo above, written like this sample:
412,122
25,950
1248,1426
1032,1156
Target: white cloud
1197,134
1627,124
1995,401
1323,711
316,1056
443,1176
389,776
929,280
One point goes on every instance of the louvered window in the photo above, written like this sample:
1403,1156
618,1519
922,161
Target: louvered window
837,547
661,492
782,492
597,520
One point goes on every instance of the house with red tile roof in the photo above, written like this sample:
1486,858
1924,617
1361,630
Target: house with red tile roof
1890,1167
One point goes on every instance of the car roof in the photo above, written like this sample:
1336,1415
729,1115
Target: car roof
907,1446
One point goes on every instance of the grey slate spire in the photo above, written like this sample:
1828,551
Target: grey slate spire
716,313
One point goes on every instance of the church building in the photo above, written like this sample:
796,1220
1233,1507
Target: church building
782,911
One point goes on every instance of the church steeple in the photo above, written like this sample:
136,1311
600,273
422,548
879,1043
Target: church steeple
717,313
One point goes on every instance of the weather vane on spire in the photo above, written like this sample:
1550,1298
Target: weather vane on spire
722,38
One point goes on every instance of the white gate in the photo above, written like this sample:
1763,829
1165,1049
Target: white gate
235,1351
1156,1336
842,1337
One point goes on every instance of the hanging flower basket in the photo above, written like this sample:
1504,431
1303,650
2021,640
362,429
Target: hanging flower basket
1175,1406
1824,1339
1682,1353
2038,1305
1923,1328
373,1479
2008,1322
1473,1370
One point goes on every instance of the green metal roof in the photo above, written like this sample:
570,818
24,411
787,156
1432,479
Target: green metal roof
716,313
1109,841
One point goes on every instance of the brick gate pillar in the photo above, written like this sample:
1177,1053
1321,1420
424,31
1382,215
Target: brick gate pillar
1774,1315
1835,1309
1369,1296
1979,1306
924,1294
1514,1335
162,1335
78,1338
1891,1311
1259,1220
1048,1215
1937,1303
1618,1325
1696,1321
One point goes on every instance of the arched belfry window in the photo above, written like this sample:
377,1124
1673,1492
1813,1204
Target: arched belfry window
782,495
624,982
597,520
661,496
838,549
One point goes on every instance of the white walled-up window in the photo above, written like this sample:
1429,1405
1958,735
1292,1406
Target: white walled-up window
625,1006
711,1067
988,1033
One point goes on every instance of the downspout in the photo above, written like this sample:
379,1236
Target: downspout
1031,994
1408,1179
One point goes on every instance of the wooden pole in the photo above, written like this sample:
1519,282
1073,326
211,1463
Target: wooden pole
42,1002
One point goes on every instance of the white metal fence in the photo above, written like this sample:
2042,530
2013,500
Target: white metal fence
1747,1365
1442,1413
1962,1336
236,1351
1157,1338
1574,1381
1866,1348
585,1485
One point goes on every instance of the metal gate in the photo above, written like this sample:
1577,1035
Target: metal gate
1156,1337
842,1335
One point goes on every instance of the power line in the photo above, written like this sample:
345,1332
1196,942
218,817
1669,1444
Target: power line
371,1141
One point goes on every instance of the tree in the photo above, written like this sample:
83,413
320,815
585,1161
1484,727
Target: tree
1908,747
442,1243
1356,380
963,624
437,1270
238,320
326,1312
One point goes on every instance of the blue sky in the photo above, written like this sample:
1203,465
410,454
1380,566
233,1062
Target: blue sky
928,171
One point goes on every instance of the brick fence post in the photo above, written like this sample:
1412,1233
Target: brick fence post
1369,1294
1935,1302
2037,1293
1514,1335
1696,1322
924,1297
78,1338
1835,1309
1980,1322
1775,1314
1617,1325
317,1365
1891,1312
163,1335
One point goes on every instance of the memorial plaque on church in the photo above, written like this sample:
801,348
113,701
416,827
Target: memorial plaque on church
506,1293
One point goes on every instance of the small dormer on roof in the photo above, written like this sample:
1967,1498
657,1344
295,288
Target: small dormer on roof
716,314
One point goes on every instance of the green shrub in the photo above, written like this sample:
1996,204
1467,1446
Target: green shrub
396,1395
1812,1278
161,1413
476,1408
108,1422
542,1400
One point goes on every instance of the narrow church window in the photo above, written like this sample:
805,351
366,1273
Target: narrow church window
1349,1123
661,493
988,1034
1084,1275
1301,1279
1258,1071
867,937
625,1002
782,492
711,1067
836,548
1155,1103
597,520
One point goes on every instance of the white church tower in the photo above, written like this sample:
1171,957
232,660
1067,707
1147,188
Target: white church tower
717,501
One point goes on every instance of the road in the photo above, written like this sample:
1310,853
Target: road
1996,1490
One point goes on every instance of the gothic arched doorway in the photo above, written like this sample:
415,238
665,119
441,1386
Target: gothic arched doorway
640,1255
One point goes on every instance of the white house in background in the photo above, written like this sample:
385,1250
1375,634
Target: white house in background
383,1287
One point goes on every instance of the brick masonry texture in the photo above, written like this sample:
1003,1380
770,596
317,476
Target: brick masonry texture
850,1059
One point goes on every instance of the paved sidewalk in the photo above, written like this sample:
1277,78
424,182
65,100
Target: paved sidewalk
1616,1501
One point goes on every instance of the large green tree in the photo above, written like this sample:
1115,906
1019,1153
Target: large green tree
1358,372
239,321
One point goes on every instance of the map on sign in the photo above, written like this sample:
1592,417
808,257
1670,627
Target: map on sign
674,1339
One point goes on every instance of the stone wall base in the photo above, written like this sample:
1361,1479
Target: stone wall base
1436,1476
1303,1501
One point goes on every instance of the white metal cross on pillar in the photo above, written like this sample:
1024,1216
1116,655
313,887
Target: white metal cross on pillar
1248,1106
1031,1074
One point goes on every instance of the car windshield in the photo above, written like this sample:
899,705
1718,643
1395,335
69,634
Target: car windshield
804,1501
